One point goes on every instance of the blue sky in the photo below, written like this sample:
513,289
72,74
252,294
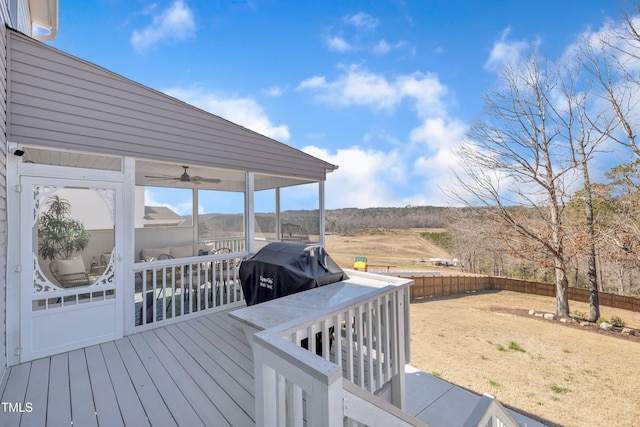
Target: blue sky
383,89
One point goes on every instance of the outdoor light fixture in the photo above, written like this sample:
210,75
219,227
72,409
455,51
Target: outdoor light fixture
16,150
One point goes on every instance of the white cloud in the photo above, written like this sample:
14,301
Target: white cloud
274,91
156,198
438,132
363,88
338,44
366,177
174,23
374,178
243,111
382,47
409,174
362,20
438,136
506,52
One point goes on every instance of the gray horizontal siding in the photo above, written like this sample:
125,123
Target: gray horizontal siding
58,100
4,19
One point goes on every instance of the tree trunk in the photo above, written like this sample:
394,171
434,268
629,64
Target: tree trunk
594,297
562,289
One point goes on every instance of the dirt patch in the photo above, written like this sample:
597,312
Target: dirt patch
561,374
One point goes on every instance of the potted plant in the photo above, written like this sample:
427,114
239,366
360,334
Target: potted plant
60,235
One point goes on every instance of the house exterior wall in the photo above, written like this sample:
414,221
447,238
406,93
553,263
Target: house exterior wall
4,18
61,101
23,23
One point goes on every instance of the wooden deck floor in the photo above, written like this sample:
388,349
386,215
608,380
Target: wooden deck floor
196,372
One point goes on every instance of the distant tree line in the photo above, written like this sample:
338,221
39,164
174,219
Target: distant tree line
352,219
340,221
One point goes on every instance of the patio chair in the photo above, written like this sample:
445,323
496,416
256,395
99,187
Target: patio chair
294,233
70,273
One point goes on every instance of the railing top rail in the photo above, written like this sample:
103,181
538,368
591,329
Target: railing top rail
261,318
400,416
310,319
296,356
174,262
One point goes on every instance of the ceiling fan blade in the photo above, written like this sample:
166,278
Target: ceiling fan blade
208,180
159,177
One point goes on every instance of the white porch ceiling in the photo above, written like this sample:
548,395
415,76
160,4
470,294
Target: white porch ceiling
230,180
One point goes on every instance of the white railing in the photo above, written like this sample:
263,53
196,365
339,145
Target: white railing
365,409
490,413
167,290
366,341
235,244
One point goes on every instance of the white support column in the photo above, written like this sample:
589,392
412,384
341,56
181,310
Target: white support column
249,212
128,233
194,216
14,263
398,392
278,233
321,208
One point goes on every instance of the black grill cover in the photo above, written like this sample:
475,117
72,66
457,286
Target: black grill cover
281,269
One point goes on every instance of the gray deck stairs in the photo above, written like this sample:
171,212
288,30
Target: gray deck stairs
442,404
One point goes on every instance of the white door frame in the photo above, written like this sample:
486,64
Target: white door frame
20,179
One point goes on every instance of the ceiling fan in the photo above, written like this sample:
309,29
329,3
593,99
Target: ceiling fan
186,178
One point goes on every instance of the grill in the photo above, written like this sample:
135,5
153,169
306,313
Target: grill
280,269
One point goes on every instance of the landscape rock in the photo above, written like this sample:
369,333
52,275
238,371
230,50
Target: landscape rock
539,314
550,316
606,326
628,331
532,312
566,320
585,324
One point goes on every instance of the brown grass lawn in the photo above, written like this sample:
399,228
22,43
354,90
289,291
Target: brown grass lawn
399,249
561,375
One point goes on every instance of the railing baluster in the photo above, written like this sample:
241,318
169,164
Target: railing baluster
360,345
350,329
387,338
368,332
379,355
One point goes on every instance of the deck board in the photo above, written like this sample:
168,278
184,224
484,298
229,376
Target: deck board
214,355
206,381
224,384
234,338
176,369
150,398
37,392
128,401
14,392
104,396
242,356
59,402
191,373
177,404
82,408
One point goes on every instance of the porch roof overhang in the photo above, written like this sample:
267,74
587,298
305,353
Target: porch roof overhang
60,101
44,15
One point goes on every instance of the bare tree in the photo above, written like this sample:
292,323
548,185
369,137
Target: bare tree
518,166
587,128
612,57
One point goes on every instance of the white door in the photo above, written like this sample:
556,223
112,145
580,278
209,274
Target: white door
70,245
